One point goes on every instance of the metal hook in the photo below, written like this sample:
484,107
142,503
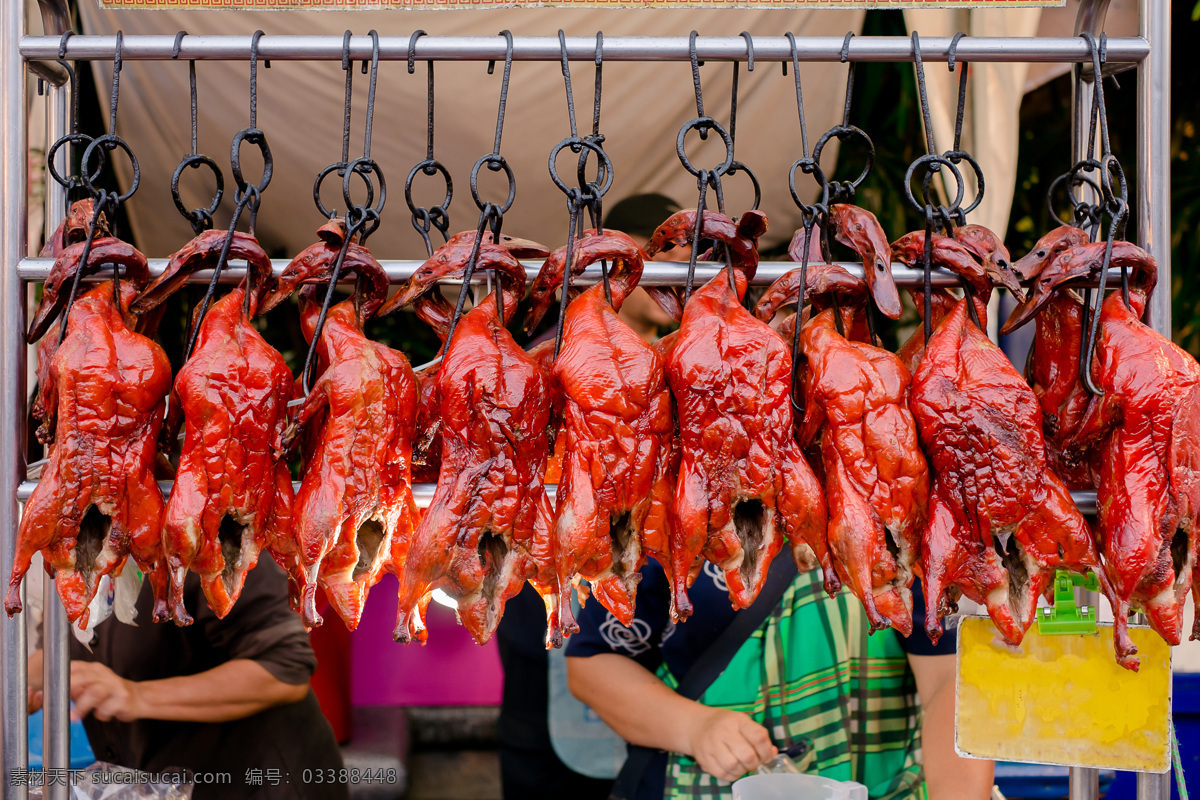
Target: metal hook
116,83
306,372
950,58
566,72
504,81
254,77
349,100
703,129
103,200
574,206
924,97
799,94
599,83
749,50
412,50
371,91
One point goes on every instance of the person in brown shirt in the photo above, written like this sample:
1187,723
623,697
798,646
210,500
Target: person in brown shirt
224,696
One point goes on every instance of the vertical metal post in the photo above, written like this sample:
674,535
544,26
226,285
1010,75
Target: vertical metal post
56,632
1153,194
1085,784
1154,786
1153,197
13,166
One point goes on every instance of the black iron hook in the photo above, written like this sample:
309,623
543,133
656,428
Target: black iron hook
438,216
412,50
200,219
749,50
703,129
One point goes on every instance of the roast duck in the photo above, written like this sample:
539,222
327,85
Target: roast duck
434,310
999,521
743,485
855,409
1147,427
616,432
354,513
232,498
488,526
101,400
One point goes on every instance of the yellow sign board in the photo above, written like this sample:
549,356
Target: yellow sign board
1063,699
426,5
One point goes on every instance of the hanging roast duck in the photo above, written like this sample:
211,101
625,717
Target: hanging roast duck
743,484
855,405
1000,521
354,513
101,395
232,497
1147,423
487,529
617,427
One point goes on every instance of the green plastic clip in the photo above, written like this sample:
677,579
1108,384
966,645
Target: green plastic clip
1065,617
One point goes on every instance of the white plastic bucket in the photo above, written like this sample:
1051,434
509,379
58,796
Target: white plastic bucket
796,787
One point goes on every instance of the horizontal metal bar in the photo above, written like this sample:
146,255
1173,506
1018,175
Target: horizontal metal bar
423,494
656,273
582,48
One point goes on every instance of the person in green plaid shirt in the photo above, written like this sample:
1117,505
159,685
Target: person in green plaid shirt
809,673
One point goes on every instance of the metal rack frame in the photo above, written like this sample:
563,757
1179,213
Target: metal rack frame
1150,50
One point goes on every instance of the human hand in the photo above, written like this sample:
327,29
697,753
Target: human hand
97,690
728,744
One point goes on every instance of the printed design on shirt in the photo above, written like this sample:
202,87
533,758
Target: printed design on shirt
717,575
667,633
633,640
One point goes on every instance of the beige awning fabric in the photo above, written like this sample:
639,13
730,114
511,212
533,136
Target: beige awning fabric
300,109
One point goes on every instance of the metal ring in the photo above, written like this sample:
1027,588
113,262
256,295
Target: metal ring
844,133
1075,180
932,163
738,166
809,167
603,170
495,163
429,167
958,156
698,124
340,168
78,138
111,143
255,137
606,175
195,162
365,167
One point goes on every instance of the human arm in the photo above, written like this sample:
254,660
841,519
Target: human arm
645,711
947,775
234,690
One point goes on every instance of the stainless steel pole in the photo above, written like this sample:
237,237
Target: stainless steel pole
56,631
582,48
657,273
1085,782
1153,197
13,166
1153,786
